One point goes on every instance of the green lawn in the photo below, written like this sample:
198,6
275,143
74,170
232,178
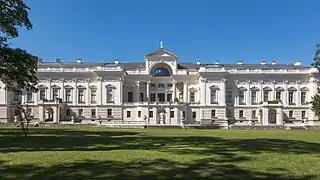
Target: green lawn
154,154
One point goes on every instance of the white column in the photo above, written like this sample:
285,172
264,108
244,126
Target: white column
249,95
49,90
148,93
261,91
265,119
223,93
286,94
41,113
137,90
121,91
56,114
273,94
87,97
99,92
62,91
203,92
75,93
279,120
185,92
298,96
174,86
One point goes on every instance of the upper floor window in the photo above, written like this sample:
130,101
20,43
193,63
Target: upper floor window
161,72
29,96
68,93
42,93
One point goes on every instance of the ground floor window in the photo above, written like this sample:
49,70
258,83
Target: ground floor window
128,114
151,114
171,114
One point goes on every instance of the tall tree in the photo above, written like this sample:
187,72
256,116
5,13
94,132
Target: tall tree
316,98
17,66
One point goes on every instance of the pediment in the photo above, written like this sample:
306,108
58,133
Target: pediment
162,53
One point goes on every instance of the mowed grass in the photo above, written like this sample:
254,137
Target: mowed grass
154,154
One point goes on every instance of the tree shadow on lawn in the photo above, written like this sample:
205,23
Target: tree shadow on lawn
205,169
66,140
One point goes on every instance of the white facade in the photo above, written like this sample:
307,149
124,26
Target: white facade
162,90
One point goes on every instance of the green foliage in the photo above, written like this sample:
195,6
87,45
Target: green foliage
17,66
316,98
316,59
316,104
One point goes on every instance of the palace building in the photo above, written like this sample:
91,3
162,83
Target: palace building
163,90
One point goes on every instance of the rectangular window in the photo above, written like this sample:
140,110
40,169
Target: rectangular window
29,96
141,98
151,114
194,114
152,97
213,96
42,94
93,112
229,113
80,95
291,97
93,96
254,114
128,114
303,97
183,114
161,97
278,95
171,114
169,97
265,96
68,112
229,96
192,97
169,85
213,113
55,94
130,96
80,112
303,114
241,97
253,97
161,85
17,96
152,85
290,114
109,112
109,95
241,113
68,95
139,114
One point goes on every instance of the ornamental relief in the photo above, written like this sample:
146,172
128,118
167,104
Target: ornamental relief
213,80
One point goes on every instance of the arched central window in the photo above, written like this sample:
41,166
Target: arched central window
161,72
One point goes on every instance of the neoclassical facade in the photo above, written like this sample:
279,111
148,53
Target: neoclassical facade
161,90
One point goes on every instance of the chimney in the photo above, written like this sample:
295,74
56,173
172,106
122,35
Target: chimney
116,61
239,62
79,60
217,62
273,62
198,61
263,62
58,60
297,63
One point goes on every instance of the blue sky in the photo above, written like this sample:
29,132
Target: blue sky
224,30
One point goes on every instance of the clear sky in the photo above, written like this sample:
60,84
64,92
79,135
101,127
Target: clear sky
224,30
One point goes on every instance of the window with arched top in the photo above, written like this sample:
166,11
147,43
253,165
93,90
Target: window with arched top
161,71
